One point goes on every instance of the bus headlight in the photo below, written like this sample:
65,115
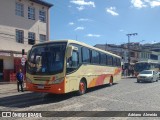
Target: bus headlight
28,80
57,81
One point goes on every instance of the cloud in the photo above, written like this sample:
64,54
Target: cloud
154,3
83,3
71,23
153,42
145,3
112,11
84,20
79,28
81,8
121,30
138,3
93,35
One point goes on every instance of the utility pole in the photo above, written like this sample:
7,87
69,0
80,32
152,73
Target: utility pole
129,56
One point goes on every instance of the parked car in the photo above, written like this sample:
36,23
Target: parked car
148,76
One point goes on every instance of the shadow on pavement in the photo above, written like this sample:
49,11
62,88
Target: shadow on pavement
32,99
28,99
143,82
99,87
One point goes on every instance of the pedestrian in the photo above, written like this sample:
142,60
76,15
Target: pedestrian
20,78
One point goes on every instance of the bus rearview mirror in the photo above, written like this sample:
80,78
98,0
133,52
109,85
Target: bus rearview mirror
70,50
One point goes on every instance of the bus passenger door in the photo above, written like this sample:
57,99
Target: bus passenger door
72,66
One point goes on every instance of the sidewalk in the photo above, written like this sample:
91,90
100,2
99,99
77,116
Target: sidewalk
8,82
9,87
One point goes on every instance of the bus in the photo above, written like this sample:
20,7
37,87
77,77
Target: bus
64,66
146,65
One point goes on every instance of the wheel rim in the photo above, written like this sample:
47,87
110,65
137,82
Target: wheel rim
82,87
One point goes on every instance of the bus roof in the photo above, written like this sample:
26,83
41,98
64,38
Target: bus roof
79,43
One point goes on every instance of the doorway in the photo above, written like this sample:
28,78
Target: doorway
1,69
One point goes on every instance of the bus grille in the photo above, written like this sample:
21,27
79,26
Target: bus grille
41,78
46,87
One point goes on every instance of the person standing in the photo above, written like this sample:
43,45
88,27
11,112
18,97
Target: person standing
20,78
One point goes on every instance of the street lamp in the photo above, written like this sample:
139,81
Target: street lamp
129,35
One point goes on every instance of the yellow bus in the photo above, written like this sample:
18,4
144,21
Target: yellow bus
64,66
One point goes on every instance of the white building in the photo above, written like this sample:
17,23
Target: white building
22,24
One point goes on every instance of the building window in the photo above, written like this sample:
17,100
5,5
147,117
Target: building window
19,9
42,38
20,36
31,38
42,16
31,13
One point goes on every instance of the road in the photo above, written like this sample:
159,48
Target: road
125,95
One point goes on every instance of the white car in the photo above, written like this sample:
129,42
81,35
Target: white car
148,76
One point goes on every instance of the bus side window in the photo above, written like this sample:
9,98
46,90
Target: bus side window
110,60
95,57
85,55
103,59
73,62
75,59
114,61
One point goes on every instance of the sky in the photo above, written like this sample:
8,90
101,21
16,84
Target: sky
105,21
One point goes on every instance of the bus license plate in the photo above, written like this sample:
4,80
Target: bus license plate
40,86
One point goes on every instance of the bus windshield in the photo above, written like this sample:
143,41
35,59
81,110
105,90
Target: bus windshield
46,59
141,66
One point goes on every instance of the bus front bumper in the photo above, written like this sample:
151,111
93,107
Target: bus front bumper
49,88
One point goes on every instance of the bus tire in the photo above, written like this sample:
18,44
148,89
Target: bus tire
82,87
111,81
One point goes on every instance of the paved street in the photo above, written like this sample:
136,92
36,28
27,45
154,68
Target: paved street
125,95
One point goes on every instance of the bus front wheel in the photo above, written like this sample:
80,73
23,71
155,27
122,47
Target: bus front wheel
82,87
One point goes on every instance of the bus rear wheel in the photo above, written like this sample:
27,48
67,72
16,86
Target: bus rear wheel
82,87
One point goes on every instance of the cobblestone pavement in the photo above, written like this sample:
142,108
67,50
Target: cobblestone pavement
125,95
